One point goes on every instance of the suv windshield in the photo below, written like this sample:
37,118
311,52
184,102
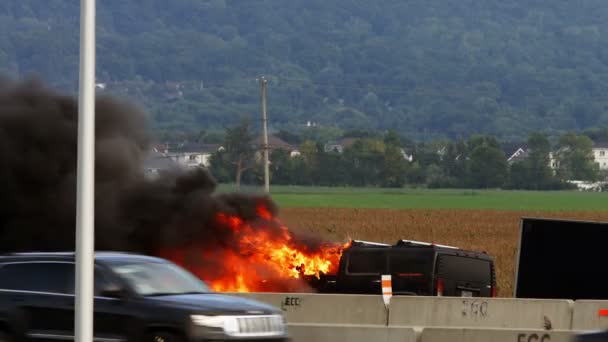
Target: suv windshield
156,279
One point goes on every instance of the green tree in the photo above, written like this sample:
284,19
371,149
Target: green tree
365,160
436,178
211,137
453,165
220,167
394,168
239,148
311,157
416,174
488,163
394,172
519,176
427,154
362,133
576,160
300,171
280,167
539,173
289,137
392,138
334,170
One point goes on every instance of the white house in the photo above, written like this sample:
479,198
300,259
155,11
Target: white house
518,155
407,156
521,153
553,162
600,153
192,155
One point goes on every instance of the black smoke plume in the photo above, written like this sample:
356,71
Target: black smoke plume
38,136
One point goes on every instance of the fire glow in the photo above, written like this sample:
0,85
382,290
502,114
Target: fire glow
264,256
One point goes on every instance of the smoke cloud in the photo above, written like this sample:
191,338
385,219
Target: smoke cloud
38,136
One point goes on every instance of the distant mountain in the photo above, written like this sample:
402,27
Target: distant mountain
428,68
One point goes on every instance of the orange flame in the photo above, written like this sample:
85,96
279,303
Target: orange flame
266,256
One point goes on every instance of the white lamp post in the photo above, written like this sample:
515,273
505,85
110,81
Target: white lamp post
85,205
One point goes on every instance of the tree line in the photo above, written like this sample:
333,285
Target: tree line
427,68
386,159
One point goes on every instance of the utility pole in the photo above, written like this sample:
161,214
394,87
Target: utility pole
85,205
266,147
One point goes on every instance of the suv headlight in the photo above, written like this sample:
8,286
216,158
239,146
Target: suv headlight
227,323
241,326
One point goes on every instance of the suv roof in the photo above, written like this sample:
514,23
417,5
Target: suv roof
359,244
400,243
71,256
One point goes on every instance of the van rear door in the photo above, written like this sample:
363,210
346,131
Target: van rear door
411,271
463,276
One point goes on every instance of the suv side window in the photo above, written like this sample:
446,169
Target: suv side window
367,262
410,263
470,269
51,277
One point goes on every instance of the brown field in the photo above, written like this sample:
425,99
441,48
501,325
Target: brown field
493,231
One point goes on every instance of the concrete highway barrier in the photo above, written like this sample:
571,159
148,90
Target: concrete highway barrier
411,311
350,333
494,335
590,315
481,312
325,308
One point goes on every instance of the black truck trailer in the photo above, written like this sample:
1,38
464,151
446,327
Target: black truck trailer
561,259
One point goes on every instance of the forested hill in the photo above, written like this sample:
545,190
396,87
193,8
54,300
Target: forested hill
424,67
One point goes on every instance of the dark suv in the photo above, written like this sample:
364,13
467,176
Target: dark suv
416,268
137,298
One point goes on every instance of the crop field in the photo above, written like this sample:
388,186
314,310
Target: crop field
494,231
320,197
485,220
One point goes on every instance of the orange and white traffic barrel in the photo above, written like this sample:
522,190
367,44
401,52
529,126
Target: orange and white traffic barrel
387,289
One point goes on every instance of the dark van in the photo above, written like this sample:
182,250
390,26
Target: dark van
416,268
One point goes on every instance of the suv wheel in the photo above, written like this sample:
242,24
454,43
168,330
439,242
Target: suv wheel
4,337
158,336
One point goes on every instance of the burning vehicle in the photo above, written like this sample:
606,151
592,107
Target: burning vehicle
416,268
267,257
